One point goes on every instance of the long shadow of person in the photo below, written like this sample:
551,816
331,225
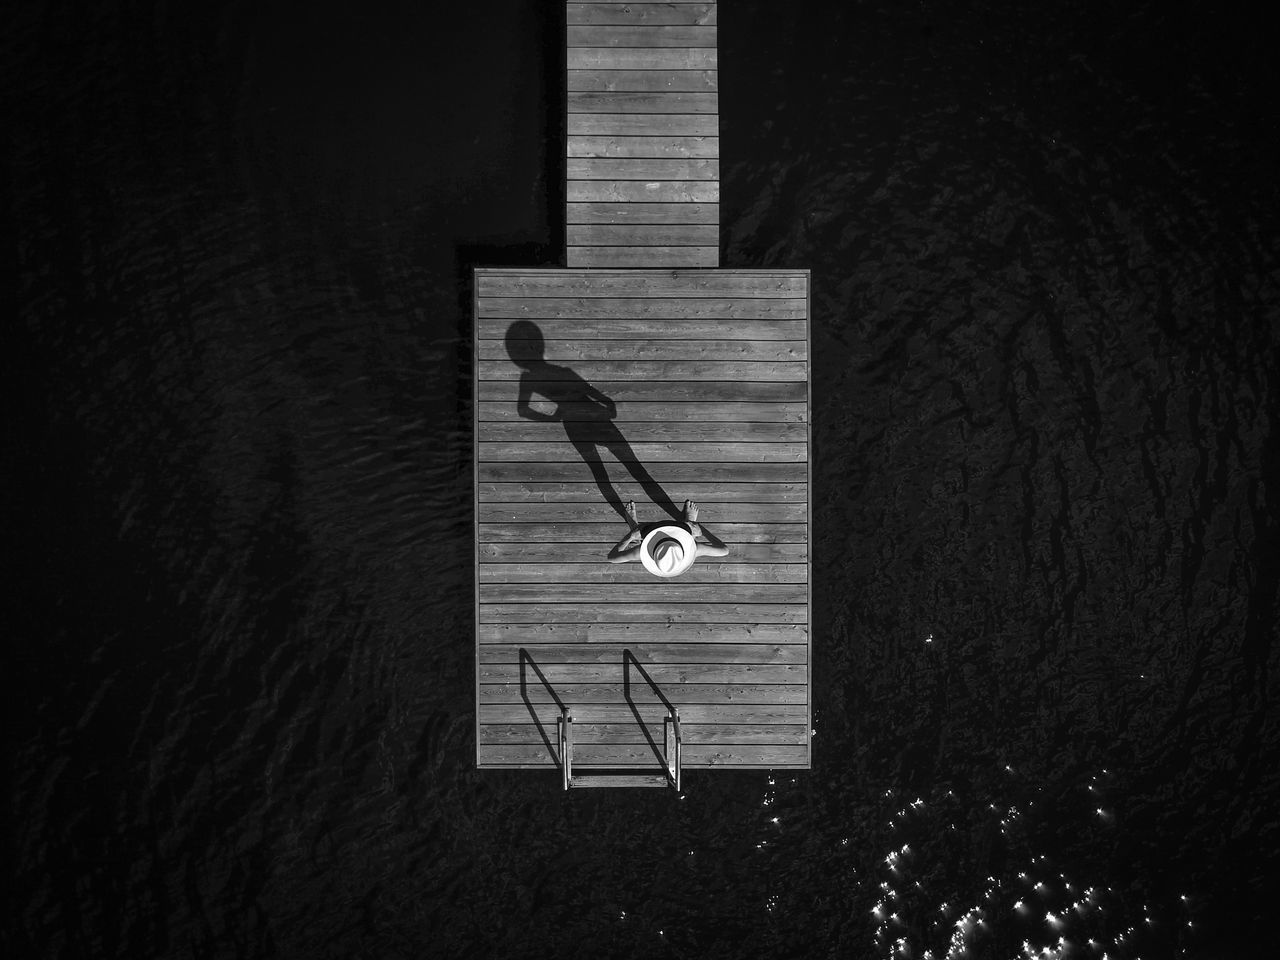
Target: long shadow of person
586,414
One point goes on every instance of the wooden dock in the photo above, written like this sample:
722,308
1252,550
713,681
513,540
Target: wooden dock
708,371
642,372
643,145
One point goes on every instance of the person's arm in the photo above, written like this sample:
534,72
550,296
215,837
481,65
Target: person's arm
713,547
626,549
522,403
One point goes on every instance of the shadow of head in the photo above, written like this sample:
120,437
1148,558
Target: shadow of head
525,345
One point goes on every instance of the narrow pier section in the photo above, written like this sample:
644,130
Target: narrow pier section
643,167
654,386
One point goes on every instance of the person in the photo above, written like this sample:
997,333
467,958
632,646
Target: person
667,549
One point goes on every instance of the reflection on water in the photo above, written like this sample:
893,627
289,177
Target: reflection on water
1045,342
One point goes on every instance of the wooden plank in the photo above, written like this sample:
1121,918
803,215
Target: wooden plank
638,191
613,780
675,472
528,634
633,234
645,613
605,535
599,693
713,432
690,411
643,125
643,235
643,58
613,168
624,36
624,285
686,81
686,652
708,495
665,675
621,391
556,552
682,11
696,755
646,308
621,211
704,257
647,102
652,370
657,147
599,511
567,349
656,591
496,328
633,733
691,451
650,712
620,574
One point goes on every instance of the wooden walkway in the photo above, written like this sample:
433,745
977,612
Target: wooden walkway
643,167
707,373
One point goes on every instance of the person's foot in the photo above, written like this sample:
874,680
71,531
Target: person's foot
631,513
691,511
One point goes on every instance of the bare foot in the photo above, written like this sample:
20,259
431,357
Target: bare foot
631,513
691,511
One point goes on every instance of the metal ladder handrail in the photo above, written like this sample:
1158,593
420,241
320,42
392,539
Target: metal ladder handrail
671,725
672,743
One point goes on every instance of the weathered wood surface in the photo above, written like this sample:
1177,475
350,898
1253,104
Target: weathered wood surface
612,57
685,12
642,101
631,234
615,168
646,453
658,147
574,694
632,733
676,472
642,256
637,308
716,431
643,125
593,349
547,551
657,594
642,94
633,285
721,493
689,81
729,641
643,191
611,211
640,411
649,712
630,634
668,653
625,611
577,573
533,756
654,371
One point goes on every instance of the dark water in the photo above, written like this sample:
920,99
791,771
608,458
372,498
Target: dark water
237,487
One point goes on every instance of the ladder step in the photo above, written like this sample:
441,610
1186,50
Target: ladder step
619,780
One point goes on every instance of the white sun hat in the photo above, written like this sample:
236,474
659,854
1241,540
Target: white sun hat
668,551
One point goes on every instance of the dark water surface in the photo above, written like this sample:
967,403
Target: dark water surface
237,487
